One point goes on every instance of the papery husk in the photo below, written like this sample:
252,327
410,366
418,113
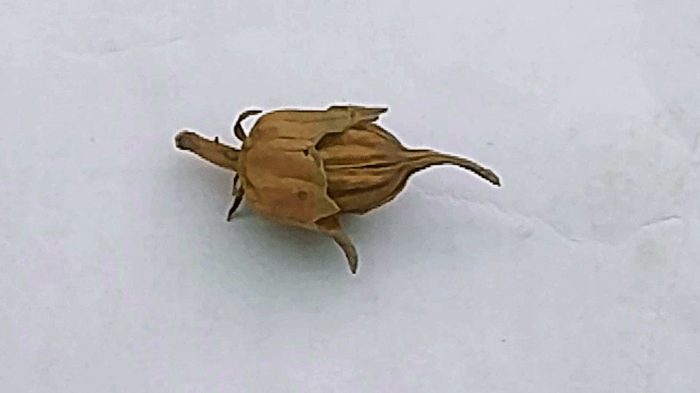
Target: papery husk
307,167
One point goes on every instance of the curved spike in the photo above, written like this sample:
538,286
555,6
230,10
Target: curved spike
238,197
330,226
238,129
236,202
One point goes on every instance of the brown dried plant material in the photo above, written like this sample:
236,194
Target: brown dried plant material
307,167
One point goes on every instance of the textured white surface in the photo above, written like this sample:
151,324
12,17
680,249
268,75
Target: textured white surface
118,272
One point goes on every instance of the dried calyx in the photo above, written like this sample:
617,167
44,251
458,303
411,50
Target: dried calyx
307,167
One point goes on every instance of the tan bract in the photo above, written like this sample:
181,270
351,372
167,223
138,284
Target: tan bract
307,167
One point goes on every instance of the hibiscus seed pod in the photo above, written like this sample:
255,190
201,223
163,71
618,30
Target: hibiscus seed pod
307,167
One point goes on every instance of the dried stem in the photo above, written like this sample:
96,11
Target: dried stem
211,150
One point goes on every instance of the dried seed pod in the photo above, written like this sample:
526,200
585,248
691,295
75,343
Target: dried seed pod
307,167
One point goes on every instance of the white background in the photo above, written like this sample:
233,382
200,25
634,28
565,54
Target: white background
118,272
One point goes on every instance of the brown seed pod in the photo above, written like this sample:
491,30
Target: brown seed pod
307,167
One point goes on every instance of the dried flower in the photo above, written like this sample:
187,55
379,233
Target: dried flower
307,167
